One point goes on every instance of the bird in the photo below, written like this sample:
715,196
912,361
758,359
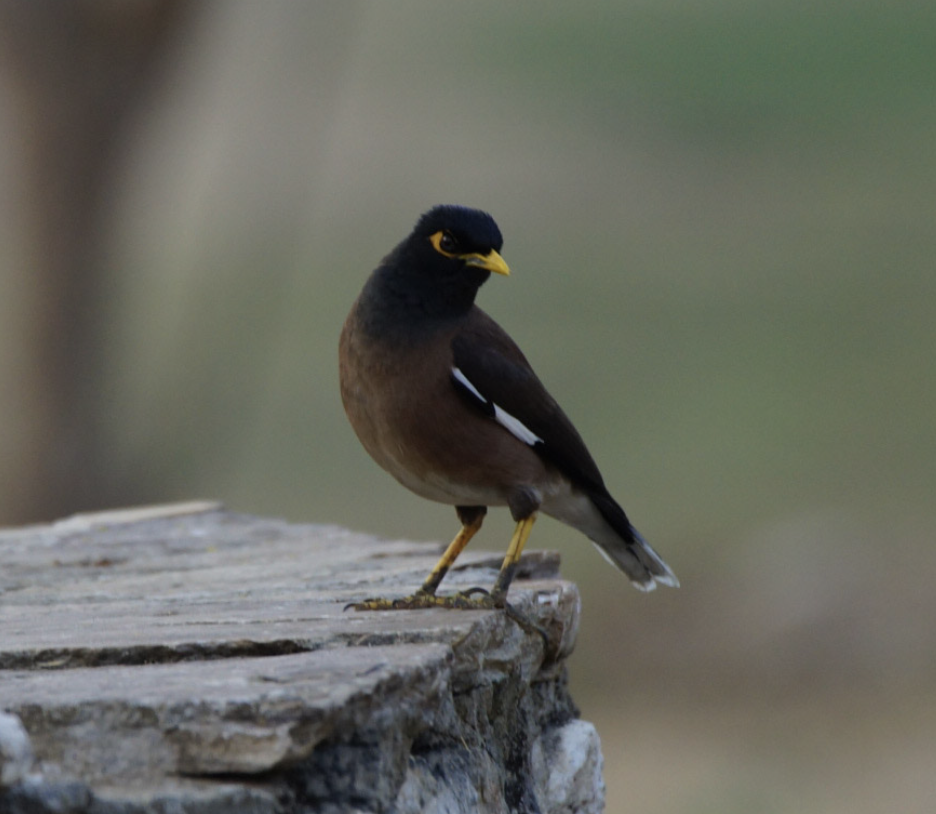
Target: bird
444,400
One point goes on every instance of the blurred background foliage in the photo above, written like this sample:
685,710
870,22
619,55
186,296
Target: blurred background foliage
721,222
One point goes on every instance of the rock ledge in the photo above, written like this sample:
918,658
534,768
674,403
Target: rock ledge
184,658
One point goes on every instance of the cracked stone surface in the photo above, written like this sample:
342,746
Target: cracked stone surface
186,658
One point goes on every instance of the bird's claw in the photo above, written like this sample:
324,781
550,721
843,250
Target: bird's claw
421,600
463,600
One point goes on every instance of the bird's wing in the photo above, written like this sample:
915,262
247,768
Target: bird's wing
491,373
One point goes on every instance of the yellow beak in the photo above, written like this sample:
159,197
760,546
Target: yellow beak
491,261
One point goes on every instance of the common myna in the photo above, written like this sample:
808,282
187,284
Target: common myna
444,400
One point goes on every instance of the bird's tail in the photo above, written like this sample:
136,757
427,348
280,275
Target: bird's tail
627,550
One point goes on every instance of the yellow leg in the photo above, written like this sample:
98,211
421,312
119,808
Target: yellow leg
514,550
425,597
446,561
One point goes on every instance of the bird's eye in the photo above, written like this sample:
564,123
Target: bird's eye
448,243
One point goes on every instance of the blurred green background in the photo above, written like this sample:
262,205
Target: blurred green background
720,219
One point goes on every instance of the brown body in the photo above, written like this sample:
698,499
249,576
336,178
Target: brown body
422,437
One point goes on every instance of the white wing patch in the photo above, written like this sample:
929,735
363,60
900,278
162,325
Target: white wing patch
513,425
464,381
516,427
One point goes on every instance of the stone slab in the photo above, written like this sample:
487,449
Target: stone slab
187,655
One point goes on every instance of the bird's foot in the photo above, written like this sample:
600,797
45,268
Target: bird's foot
470,599
422,600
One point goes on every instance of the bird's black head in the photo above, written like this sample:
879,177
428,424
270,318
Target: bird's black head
459,233
438,269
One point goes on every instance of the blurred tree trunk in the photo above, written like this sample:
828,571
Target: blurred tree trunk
75,72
